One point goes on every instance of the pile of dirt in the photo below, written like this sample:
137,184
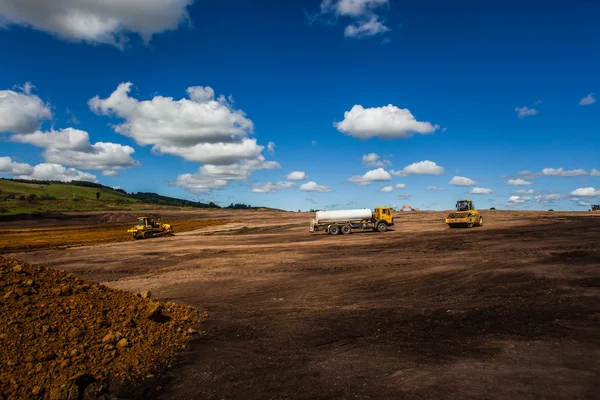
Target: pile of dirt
63,337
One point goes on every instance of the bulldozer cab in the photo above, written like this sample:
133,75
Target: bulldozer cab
142,221
464,205
383,213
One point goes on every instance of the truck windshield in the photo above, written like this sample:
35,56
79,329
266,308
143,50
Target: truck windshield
141,222
462,206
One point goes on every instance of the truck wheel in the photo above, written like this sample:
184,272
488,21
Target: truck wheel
382,227
346,229
334,230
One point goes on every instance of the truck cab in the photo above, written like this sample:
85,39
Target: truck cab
383,214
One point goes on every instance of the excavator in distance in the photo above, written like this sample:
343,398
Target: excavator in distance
465,216
148,228
405,207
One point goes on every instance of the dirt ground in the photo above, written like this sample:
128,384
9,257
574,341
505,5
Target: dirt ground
507,310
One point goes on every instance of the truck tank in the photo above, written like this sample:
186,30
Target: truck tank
343,215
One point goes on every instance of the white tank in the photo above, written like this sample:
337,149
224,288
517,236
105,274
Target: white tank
343,215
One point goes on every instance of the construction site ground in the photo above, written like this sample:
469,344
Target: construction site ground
507,310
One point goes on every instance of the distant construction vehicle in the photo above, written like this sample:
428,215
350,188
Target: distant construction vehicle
465,216
344,221
595,207
148,228
405,207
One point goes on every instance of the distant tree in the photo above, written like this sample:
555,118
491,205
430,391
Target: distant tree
97,195
21,197
32,197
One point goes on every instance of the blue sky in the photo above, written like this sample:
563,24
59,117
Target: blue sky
359,95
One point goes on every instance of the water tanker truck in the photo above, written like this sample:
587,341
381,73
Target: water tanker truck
344,221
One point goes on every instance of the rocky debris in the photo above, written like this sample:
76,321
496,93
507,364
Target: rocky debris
63,337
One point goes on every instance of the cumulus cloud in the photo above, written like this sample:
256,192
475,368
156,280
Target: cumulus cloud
201,128
375,175
435,189
525,191
388,122
374,160
516,200
548,198
21,112
386,189
586,192
92,21
420,168
9,167
400,186
313,187
110,172
479,190
462,181
594,172
210,177
363,15
562,172
518,182
272,187
57,172
72,147
296,176
587,100
271,148
525,111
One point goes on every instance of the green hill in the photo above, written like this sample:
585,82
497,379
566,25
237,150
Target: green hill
32,197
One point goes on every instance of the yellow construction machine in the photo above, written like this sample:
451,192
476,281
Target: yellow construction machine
148,228
465,216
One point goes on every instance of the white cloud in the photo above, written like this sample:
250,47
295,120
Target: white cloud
375,175
516,200
371,27
518,182
386,189
21,112
420,168
72,147
435,189
272,187
586,192
594,172
587,100
525,111
271,148
479,190
110,173
9,167
57,172
362,13
562,172
584,203
548,198
313,187
296,176
372,160
94,21
210,131
386,122
211,177
462,181
400,186
524,191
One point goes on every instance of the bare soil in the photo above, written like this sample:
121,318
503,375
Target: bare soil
507,310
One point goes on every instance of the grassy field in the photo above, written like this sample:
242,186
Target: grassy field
66,198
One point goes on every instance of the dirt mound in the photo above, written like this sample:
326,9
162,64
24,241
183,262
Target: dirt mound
63,337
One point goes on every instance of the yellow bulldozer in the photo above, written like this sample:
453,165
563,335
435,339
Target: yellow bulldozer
465,216
148,228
